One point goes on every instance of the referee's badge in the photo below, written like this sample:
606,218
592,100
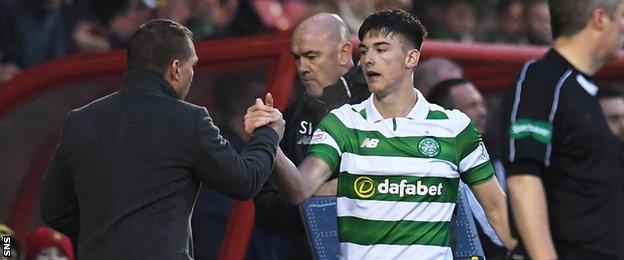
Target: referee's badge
429,147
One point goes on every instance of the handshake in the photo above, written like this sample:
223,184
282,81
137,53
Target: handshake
263,113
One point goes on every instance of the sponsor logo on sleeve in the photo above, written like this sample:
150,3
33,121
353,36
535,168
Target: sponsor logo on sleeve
536,129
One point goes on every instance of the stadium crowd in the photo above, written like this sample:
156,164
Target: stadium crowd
33,31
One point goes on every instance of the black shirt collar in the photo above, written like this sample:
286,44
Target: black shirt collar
148,82
558,61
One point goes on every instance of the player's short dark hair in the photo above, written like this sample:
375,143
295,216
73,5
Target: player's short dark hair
157,43
567,18
441,92
608,91
395,22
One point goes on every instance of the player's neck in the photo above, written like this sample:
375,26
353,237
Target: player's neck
396,104
580,51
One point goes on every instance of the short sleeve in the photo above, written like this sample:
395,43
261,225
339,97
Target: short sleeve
326,142
474,160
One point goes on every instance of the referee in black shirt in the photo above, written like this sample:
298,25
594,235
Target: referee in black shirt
562,160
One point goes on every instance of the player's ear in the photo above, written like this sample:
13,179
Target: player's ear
411,60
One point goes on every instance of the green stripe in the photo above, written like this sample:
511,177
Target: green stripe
452,149
371,187
468,140
478,174
371,232
436,115
334,127
326,153
397,146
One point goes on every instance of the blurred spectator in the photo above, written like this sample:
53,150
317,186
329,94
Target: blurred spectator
537,18
353,12
84,32
246,20
15,249
612,104
434,70
33,32
47,244
512,22
126,21
175,10
380,5
210,18
459,19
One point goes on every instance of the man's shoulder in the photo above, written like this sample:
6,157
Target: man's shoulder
453,120
350,111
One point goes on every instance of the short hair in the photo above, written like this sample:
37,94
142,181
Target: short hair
441,93
395,22
157,43
608,91
568,18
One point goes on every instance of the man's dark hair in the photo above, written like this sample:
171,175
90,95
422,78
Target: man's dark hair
441,92
157,43
395,22
608,91
568,18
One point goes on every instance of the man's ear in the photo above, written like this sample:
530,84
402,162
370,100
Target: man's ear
346,53
174,70
411,60
599,19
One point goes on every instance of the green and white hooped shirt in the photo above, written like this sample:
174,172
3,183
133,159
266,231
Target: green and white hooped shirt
399,177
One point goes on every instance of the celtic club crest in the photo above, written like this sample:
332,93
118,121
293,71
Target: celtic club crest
429,147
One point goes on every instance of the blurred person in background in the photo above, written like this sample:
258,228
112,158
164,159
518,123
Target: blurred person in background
174,10
612,103
562,161
461,94
5,231
323,56
126,20
512,22
460,21
537,17
433,70
33,32
211,18
83,30
47,244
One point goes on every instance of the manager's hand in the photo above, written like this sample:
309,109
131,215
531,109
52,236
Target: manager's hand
263,113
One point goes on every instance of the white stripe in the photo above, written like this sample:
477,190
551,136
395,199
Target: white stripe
514,110
473,159
389,166
395,210
553,111
587,85
421,252
451,127
344,83
325,139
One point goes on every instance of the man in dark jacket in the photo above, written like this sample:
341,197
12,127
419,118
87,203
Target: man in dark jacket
128,167
323,56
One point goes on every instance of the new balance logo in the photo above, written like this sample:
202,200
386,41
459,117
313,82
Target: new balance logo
369,143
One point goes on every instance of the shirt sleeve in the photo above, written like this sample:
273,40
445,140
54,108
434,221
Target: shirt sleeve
474,162
327,141
239,176
528,126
